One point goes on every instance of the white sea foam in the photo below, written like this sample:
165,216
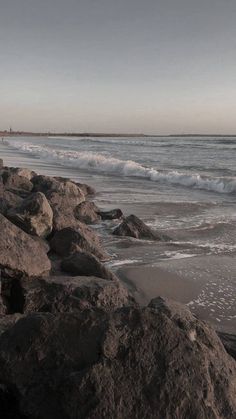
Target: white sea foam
110,165
122,262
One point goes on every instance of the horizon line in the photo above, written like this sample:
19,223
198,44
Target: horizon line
107,134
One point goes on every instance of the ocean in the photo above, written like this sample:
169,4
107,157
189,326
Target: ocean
182,186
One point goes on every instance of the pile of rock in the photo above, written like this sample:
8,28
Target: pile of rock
73,342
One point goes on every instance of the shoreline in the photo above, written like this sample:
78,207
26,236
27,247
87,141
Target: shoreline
126,249
207,298
69,326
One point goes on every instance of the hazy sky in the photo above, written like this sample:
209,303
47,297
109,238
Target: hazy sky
155,66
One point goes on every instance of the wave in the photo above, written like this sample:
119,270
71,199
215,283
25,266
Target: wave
110,165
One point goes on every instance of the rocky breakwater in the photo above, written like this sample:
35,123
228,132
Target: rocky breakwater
73,342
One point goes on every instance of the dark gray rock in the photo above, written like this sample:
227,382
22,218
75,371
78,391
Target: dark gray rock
63,196
15,183
87,212
229,342
20,255
84,263
86,189
45,184
132,226
34,215
71,294
114,214
8,200
21,171
130,363
68,240
63,205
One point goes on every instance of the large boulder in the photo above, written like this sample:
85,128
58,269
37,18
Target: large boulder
34,215
113,214
86,189
68,240
15,183
132,226
84,263
21,171
63,196
63,205
8,200
20,255
66,294
45,184
229,342
156,362
87,212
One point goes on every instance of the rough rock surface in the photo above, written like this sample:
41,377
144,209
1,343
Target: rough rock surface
87,212
20,255
86,189
8,200
34,215
84,263
63,206
68,240
15,183
45,184
63,197
132,226
114,214
21,171
157,363
229,342
71,294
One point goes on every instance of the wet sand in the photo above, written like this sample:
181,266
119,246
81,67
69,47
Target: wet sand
206,284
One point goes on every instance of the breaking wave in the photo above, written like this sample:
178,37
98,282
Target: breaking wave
110,165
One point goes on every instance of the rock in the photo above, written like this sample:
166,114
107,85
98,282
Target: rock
20,255
1,163
34,215
229,342
8,200
84,263
71,294
63,206
45,184
152,363
132,226
2,307
29,174
87,212
63,196
42,243
86,189
112,214
68,240
15,183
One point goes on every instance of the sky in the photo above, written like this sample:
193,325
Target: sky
153,66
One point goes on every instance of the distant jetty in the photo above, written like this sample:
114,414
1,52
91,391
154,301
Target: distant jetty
11,133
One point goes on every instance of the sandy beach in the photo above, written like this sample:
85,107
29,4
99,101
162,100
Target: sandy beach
190,281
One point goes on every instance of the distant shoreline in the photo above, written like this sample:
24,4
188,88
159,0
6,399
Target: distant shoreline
89,134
